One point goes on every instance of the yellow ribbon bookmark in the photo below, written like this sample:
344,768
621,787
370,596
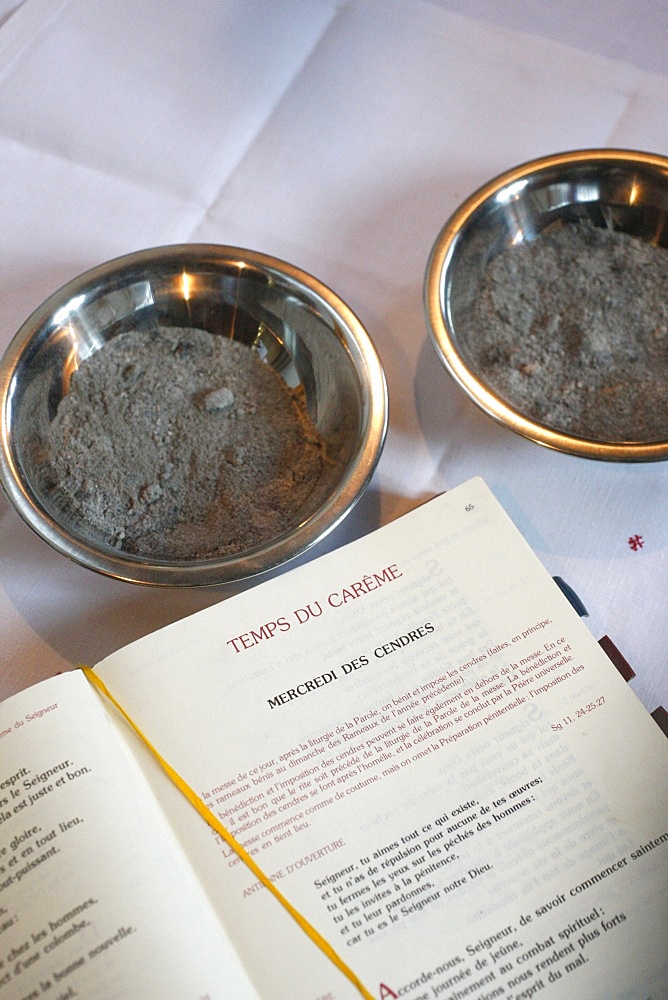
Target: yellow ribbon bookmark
243,854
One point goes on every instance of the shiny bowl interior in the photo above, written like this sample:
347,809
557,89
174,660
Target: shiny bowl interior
619,189
293,322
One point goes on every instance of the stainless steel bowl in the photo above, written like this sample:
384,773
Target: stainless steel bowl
623,190
294,322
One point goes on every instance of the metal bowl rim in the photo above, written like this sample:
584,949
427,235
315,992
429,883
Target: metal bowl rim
229,569
445,342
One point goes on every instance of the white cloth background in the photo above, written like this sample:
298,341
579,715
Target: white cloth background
339,136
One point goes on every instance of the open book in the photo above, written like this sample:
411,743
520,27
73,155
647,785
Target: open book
416,739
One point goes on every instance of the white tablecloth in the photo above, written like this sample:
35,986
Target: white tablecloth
339,136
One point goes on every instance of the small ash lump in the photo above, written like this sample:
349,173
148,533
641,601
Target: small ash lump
572,330
178,444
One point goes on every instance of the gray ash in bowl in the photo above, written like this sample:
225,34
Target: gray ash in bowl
178,444
572,330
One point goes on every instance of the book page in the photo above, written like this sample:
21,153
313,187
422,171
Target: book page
422,744
95,897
